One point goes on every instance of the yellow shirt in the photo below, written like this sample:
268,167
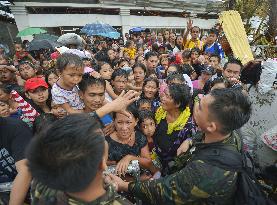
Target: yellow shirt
131,52
191,44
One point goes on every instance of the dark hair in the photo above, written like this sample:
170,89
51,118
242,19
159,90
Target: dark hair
216,56
88,80
146,80
150,54
130,109
102,56
195,50
7,88
180,93
128,43
251,73
233,61
155,47
175,75
43,121
119,72
186,54
187,69
213,31
230,107
145,114
68,59
99,66
67,154
178,67
142,101
49,72
195,27
25,61
141,66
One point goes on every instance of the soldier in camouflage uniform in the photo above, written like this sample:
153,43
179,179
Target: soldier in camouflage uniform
41,194
198,182
71,156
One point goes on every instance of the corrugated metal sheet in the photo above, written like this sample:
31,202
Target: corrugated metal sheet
234,30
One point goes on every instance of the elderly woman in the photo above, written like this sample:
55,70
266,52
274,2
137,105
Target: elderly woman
174,122
126,144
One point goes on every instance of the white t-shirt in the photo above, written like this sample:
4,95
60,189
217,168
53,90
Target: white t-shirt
61,96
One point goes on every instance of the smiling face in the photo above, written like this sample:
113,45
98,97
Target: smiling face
150,90
167,102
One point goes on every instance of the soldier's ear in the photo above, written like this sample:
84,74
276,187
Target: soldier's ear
212,127
103,164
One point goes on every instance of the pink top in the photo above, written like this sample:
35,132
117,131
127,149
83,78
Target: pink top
195,84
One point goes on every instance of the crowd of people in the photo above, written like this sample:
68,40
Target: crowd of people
159,99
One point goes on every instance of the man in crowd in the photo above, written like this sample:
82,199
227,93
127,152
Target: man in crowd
15,135
73,172
217,114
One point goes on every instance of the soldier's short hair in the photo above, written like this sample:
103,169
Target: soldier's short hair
230,108
66,155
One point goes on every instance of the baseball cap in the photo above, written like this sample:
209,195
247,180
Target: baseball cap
34,83
208,70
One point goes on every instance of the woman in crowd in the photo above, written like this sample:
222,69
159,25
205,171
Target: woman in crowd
150,91
174,122
127,144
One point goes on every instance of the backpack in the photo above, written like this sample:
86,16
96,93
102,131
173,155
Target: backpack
249,190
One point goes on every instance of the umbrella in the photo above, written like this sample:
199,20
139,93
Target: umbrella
81,54
30,31
70,38
36,45
46,36
100,29
137,29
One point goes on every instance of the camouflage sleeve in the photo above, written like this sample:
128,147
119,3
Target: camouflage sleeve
197,181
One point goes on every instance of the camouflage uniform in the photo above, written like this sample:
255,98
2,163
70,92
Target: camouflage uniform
196,183
42,195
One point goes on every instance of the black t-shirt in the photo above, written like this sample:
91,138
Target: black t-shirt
117,150
15,135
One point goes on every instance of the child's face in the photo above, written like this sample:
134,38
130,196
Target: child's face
132,62
45,64
4,96
164,62
145,106
106,71
18,47
39,95
6,75
87,63
148,127
26,71
72,75
140,51
119,84
139,74
211,38
58,111
194,55
214,61
4,109
52,78
131,76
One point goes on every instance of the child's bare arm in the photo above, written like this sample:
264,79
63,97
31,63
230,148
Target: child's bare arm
110,91
69,109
